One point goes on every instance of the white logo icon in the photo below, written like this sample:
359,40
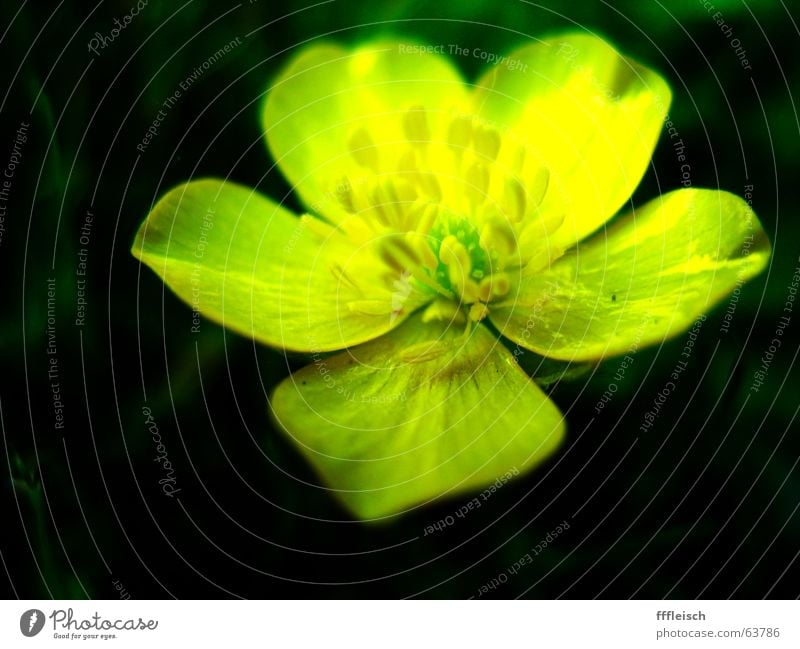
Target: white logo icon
31,622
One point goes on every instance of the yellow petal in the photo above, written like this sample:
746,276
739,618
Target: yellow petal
587,114
647,279
241,260
335,112
417,414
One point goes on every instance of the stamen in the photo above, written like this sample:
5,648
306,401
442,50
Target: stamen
518,158
459,133
390,279
487,143
423,352
404,191
501,285
494,286
453,253
513,204
477,179
454,242
408,165
540,227
398,253
537,236
343,192
538,187
419,242
426,216
429,184
376,202
497,234
443,310
407,162
370,307
415,126
396,194
478,312
363,149
341,276
467,288
485,289
318,227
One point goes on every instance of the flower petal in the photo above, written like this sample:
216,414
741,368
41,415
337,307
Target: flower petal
647,279
335,113
589,115
247,263
416,414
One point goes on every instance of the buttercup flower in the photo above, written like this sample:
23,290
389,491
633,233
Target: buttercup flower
439,214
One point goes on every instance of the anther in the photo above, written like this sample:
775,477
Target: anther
370,307
394,197
429,184
537,237
343,192
514,203
363,149
494,286
487,143
377,203
423,216
477,179
497,234
459,133
407,162
415,126
518,158
342,277
398,253
478,312
538,187
446,310
425,351
501,285
419,242
318,227
453,254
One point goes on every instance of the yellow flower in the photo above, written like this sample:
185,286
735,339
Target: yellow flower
436,207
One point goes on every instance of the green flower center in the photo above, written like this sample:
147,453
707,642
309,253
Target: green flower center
468,237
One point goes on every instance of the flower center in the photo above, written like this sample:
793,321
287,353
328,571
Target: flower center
451,203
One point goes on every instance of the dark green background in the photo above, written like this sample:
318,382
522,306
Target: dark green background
705,503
